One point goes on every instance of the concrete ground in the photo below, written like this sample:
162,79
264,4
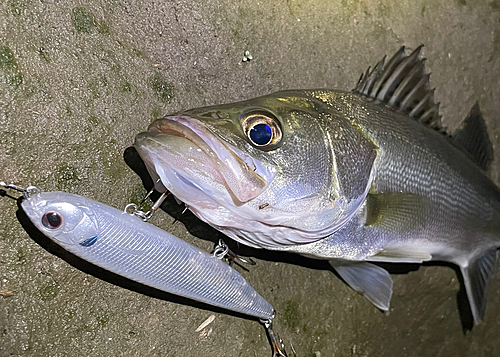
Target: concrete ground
79,79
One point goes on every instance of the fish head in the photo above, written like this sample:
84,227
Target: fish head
63,217
262,171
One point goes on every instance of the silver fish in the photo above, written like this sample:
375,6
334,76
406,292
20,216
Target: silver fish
350,177
125,245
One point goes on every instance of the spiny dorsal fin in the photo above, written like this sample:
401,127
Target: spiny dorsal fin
473,137
403,85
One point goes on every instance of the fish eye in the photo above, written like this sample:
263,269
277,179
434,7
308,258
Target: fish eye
260,134
262,130
52,220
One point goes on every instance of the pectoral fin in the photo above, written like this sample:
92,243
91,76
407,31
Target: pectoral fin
476,276
370,280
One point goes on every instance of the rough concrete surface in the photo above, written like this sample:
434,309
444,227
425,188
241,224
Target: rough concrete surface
79,79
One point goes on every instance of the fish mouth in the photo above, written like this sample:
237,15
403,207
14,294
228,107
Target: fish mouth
183,149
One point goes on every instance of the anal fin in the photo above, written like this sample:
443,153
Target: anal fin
370,280
476,276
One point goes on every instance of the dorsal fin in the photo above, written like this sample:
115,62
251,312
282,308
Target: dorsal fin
473,137
403,85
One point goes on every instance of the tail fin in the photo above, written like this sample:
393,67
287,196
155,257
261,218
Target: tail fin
476,276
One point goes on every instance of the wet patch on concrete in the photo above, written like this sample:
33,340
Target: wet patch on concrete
49,292
163,89
291,314
10,68
18,7
66,176
83,20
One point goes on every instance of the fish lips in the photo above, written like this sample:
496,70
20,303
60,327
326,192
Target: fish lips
196,148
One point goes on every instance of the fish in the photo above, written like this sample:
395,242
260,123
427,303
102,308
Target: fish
124,244
354,177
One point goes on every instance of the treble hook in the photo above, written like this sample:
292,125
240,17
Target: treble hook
222,251
145,216
150,192
276,342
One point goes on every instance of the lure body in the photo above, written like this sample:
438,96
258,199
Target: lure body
127,246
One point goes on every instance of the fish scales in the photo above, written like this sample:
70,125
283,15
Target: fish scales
414,159
350,177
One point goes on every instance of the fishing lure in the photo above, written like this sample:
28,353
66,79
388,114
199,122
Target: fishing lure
125,244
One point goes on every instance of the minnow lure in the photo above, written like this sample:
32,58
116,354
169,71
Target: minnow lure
125,244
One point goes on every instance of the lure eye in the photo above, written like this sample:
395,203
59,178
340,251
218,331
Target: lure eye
52,220
262,130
